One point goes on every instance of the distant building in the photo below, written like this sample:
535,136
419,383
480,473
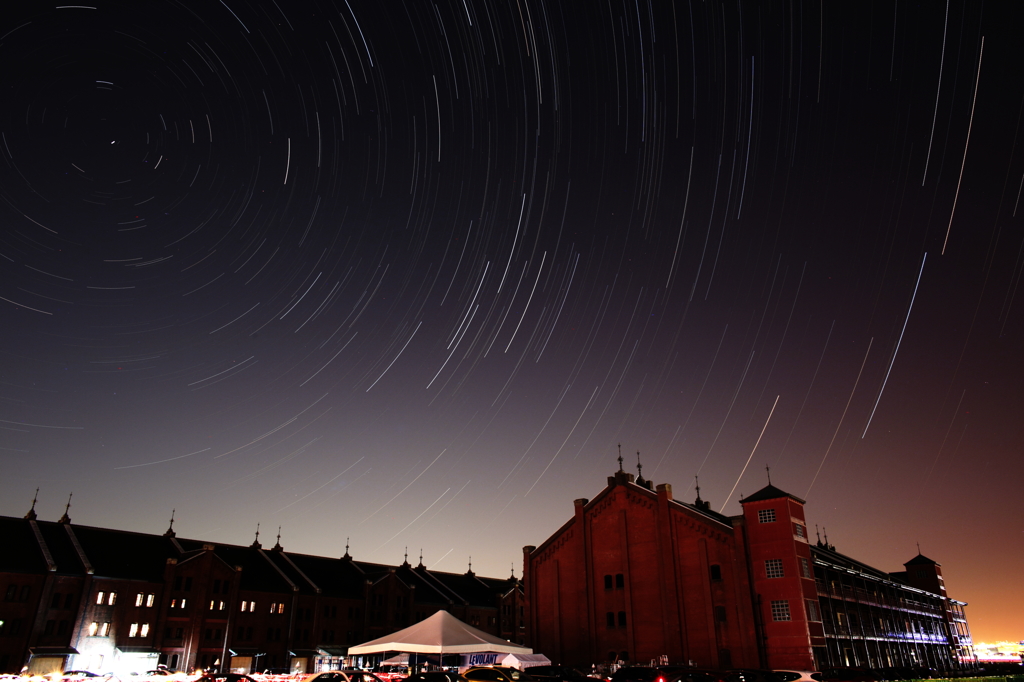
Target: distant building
637,576
106,600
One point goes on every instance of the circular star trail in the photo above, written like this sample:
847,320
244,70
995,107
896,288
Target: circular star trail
410,272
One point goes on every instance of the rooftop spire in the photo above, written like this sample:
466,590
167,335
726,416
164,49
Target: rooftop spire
421,559
470,571
66,518
346,550
769,471
405,562
639,468
256,543
169,533
31,516
620,457
697,481
278,546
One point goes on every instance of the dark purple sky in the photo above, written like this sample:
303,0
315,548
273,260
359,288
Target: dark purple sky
408,272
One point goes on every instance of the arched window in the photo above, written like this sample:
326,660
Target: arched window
720,614
620,581
716,572
607,582
622,619
611,619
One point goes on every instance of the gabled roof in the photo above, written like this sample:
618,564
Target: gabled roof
921,560
770,492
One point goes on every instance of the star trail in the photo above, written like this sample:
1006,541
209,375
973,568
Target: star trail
409,273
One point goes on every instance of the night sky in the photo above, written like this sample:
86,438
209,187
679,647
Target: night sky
406,274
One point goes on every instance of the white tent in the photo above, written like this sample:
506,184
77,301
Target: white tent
524,661
442,633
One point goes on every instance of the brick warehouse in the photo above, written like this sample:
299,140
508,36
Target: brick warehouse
108,600
635,575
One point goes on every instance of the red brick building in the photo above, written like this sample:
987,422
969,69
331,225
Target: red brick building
107,600
637,576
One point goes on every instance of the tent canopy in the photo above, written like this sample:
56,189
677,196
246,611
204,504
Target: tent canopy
524,661
441,633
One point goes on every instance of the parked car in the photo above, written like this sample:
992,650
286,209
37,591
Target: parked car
224,677
848,675
341,676
666,673
436,677
798,675
559,673
496,673
751,675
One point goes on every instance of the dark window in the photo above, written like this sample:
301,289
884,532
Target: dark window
55,602
624,656
177,633
216,586
177,582
48,630
68,601
25,592
12,590
607,582
724,658
62,627
622,619
720,614
620,581
188,584
610,616
716,572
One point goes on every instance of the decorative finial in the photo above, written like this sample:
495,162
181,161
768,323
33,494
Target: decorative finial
825,532
512,576
639,467
346,550
31,516
818,533
405,562
919,549
768,469
470,571
256,542
620,457
697,481
421,556
277,545
66,518
170,529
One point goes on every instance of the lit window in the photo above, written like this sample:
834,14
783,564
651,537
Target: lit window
766,516
133,631
99,597
183,602
220,606
805,568
212,604
273,607
813,613
252,607
144,630
773,568
174,603
798,530
138,599
93,628
780,610
245,606
150,598
105,630
111,598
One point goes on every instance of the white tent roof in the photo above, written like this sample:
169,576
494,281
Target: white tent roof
524,661
441,633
